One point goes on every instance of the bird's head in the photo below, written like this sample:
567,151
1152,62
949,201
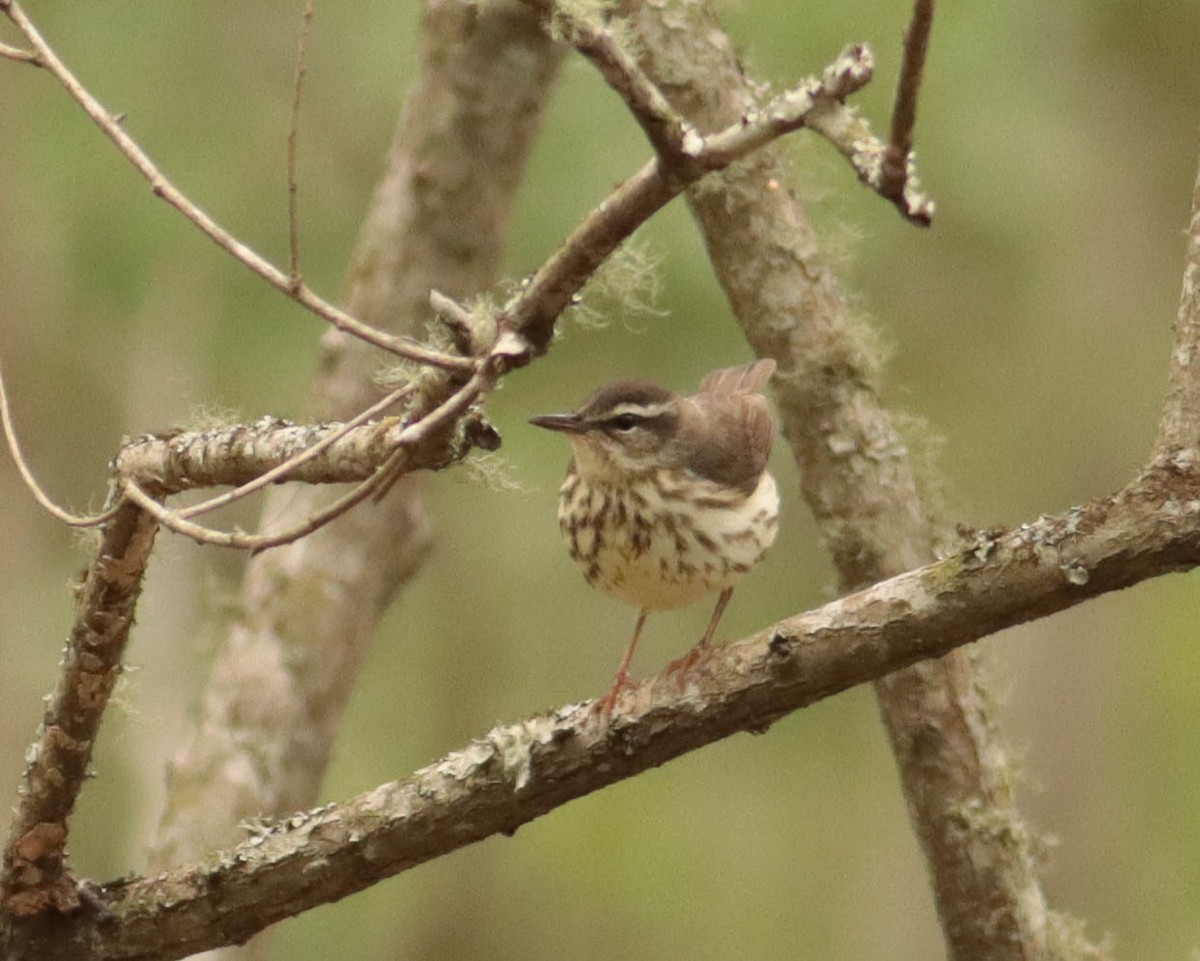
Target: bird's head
629,427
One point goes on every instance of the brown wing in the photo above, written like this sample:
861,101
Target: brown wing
744,379
730,436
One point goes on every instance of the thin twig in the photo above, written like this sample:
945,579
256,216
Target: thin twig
437,419
31,482
297,86
898,155
666,130
457,320
19,55
288,466
164,188
1180,423
254,543
410,438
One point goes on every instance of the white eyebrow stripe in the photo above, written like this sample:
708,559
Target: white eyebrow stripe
638,410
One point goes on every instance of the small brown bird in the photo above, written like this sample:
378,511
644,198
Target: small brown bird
667,498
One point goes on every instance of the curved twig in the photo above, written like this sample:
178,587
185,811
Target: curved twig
31,482
250,542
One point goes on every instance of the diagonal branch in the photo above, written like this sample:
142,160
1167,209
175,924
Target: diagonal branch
899,156
529,319
111,127
591,34
1180,423
32,879
677,141
519,772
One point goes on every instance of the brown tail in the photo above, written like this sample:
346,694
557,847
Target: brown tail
745,379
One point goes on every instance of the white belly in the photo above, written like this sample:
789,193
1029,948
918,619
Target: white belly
652,547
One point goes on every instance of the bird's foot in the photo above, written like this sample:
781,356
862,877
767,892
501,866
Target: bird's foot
680,667
604,705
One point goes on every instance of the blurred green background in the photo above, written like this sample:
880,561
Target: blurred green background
1030,329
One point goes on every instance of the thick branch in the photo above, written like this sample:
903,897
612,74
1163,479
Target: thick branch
170,463
33,878
519,772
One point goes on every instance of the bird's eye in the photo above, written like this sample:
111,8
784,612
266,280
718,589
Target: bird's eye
624,422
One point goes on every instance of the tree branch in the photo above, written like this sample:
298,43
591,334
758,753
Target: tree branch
33,878
521,771
285,668
1180,423
677,141
529,319
860,483
111,127
898,156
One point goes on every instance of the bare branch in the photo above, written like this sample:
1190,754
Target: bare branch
664,128
378,454
530,317
164,188
33,878
852,137
249,542
169,463
19,55
676,141
1180,423
898,156
284,470
293,133
521,771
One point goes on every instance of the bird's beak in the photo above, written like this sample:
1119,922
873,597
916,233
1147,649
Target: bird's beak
565,423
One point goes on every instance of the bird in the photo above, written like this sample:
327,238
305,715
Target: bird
668,498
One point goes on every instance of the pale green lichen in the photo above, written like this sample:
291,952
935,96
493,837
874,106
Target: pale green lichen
628,284
493,472
206,417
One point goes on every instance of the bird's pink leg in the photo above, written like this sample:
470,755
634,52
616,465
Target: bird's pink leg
694,656
624,679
